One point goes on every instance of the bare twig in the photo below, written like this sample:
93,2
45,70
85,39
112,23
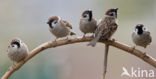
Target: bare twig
46,45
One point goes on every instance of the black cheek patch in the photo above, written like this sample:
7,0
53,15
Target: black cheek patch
90,16
50,23
140,31
16,43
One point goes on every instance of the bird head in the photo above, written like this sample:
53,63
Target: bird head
52,21
112,12
87,14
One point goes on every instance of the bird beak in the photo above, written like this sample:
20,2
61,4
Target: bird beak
50,25
116,9
48,22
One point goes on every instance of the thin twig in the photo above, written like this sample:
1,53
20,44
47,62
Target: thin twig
46,45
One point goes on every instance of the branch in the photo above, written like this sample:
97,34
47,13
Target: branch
46,45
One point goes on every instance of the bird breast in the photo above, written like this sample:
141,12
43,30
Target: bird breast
141,40
60,31
88,27
17,54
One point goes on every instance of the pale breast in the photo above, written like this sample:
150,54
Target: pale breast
17,54
141,40
88,27
60,31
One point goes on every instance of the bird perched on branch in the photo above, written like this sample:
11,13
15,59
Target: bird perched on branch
17,50
107,27
141,36
87,23
59,27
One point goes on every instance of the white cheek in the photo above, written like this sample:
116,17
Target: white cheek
136,31
54,25
86,18
13,48
145,29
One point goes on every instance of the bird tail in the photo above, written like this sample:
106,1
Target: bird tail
93,42
72,33
105,60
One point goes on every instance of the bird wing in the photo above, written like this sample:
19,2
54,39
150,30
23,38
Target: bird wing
150,39
102,30
98,33
67,24
100,27
148,35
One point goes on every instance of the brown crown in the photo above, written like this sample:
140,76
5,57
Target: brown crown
53,18
86,12
110,10
139,25
15,40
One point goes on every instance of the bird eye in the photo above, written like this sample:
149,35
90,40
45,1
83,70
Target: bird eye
111,13
12,46
55,22
144,28
85,16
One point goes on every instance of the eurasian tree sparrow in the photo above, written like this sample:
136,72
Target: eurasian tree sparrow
59,27
17,50
107,27
87,23
141,36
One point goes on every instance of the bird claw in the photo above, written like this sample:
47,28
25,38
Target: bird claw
12,67
133,48
54,40
145,55
92,36
84,37
113,39
23,60
67,38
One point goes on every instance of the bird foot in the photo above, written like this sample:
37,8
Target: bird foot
54,40
92,36
113,39
23,60
145,55
133,48
84,37
67,38
12,67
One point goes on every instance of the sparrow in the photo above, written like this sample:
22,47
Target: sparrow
87,23
141,36
17,50
59,27
106,27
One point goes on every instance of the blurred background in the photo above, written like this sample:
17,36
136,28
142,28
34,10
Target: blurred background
27,19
